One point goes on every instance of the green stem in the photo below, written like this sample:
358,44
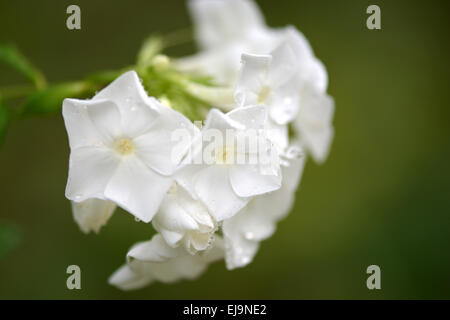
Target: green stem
219,97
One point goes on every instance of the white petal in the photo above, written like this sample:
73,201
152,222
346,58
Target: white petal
185,178
311,69
239,251
253,77
158,148
137,112
137,188
181,267
314,124
200,214
184,220
179,211
216,252
319,142
318,75
284,64
257,221
125,279
222,21
155,250
292,173
92,214
173,216
284,108
270,208
252,117
163,263
172,238
277,134
317,109
216,119
90,170
299,44
220,63
198,241
285,101
80,128
105,117
213,188
248,180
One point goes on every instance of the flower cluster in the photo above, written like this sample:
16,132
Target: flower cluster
125,151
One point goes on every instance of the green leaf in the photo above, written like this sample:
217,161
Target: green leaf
50,100
5,115
12,57
9,239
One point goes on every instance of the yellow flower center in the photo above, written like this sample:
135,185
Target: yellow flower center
124,146
173,188
224,155
264,94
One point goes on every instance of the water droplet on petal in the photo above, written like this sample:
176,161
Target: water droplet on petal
249,235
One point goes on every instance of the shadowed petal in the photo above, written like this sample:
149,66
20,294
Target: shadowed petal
92,214
90,170
137,188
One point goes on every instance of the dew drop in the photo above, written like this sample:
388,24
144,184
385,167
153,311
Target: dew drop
249,236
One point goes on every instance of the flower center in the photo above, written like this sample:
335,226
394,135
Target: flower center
264,94
224,155
124,146
173,188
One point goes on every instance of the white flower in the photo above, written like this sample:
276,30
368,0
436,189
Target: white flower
224,29
121,147
270,80
125,151
292,82
257,221
225,186
154,260
184,221
92,214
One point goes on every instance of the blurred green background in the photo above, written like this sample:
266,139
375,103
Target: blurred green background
383,196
